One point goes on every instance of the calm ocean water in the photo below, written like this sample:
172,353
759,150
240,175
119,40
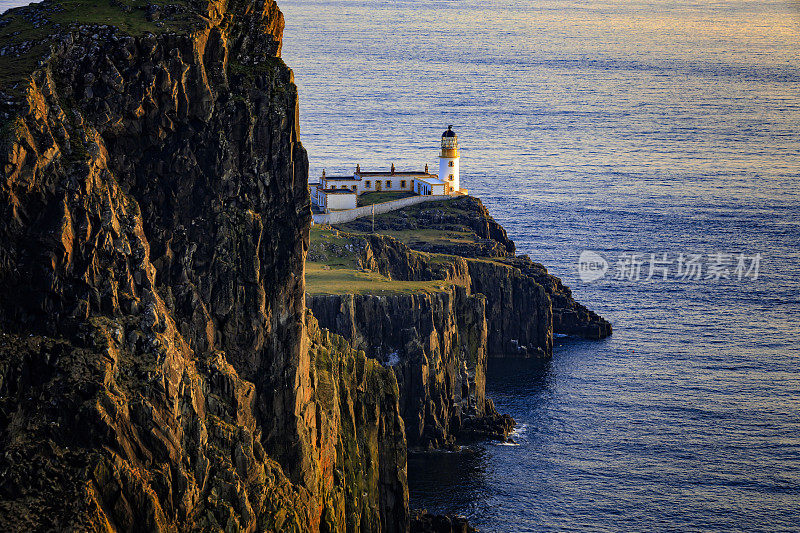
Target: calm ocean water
615,126
620,127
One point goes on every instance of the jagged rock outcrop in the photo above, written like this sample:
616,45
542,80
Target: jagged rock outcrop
157,367
490,302
569,316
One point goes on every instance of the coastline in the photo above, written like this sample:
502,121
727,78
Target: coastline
153,307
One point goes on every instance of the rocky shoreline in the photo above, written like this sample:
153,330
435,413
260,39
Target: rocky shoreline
424,522
161,365
438,341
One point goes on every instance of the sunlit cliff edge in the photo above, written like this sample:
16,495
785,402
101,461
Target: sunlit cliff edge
159,369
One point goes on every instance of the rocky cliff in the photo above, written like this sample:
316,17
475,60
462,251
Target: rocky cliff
437,305
518,290
158,370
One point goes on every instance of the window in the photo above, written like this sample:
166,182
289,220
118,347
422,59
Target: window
388,184
354,187
452,163
368,184
451,177
402,184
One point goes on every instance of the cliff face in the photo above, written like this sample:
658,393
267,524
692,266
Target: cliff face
569,316
437,340
519,309
157,368
436,344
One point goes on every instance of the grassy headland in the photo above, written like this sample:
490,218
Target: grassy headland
335,266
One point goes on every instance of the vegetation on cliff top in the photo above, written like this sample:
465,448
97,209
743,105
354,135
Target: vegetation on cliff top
460,226
437,230
26,33
322,279
336,266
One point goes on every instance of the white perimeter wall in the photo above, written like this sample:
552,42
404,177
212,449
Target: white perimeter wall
341,217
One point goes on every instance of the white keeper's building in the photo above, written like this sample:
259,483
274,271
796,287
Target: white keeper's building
334,193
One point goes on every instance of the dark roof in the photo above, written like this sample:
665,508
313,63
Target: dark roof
390,174
449,132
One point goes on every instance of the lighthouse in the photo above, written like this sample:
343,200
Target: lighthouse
448,159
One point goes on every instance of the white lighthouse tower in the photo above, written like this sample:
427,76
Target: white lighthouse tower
448,159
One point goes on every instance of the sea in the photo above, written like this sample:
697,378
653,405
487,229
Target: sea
662,137
647,152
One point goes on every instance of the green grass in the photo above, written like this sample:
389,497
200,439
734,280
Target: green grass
59,15
324,279
433,236
380,197
336,250
333,268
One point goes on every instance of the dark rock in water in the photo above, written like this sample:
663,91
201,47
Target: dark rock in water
424,522
492,426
